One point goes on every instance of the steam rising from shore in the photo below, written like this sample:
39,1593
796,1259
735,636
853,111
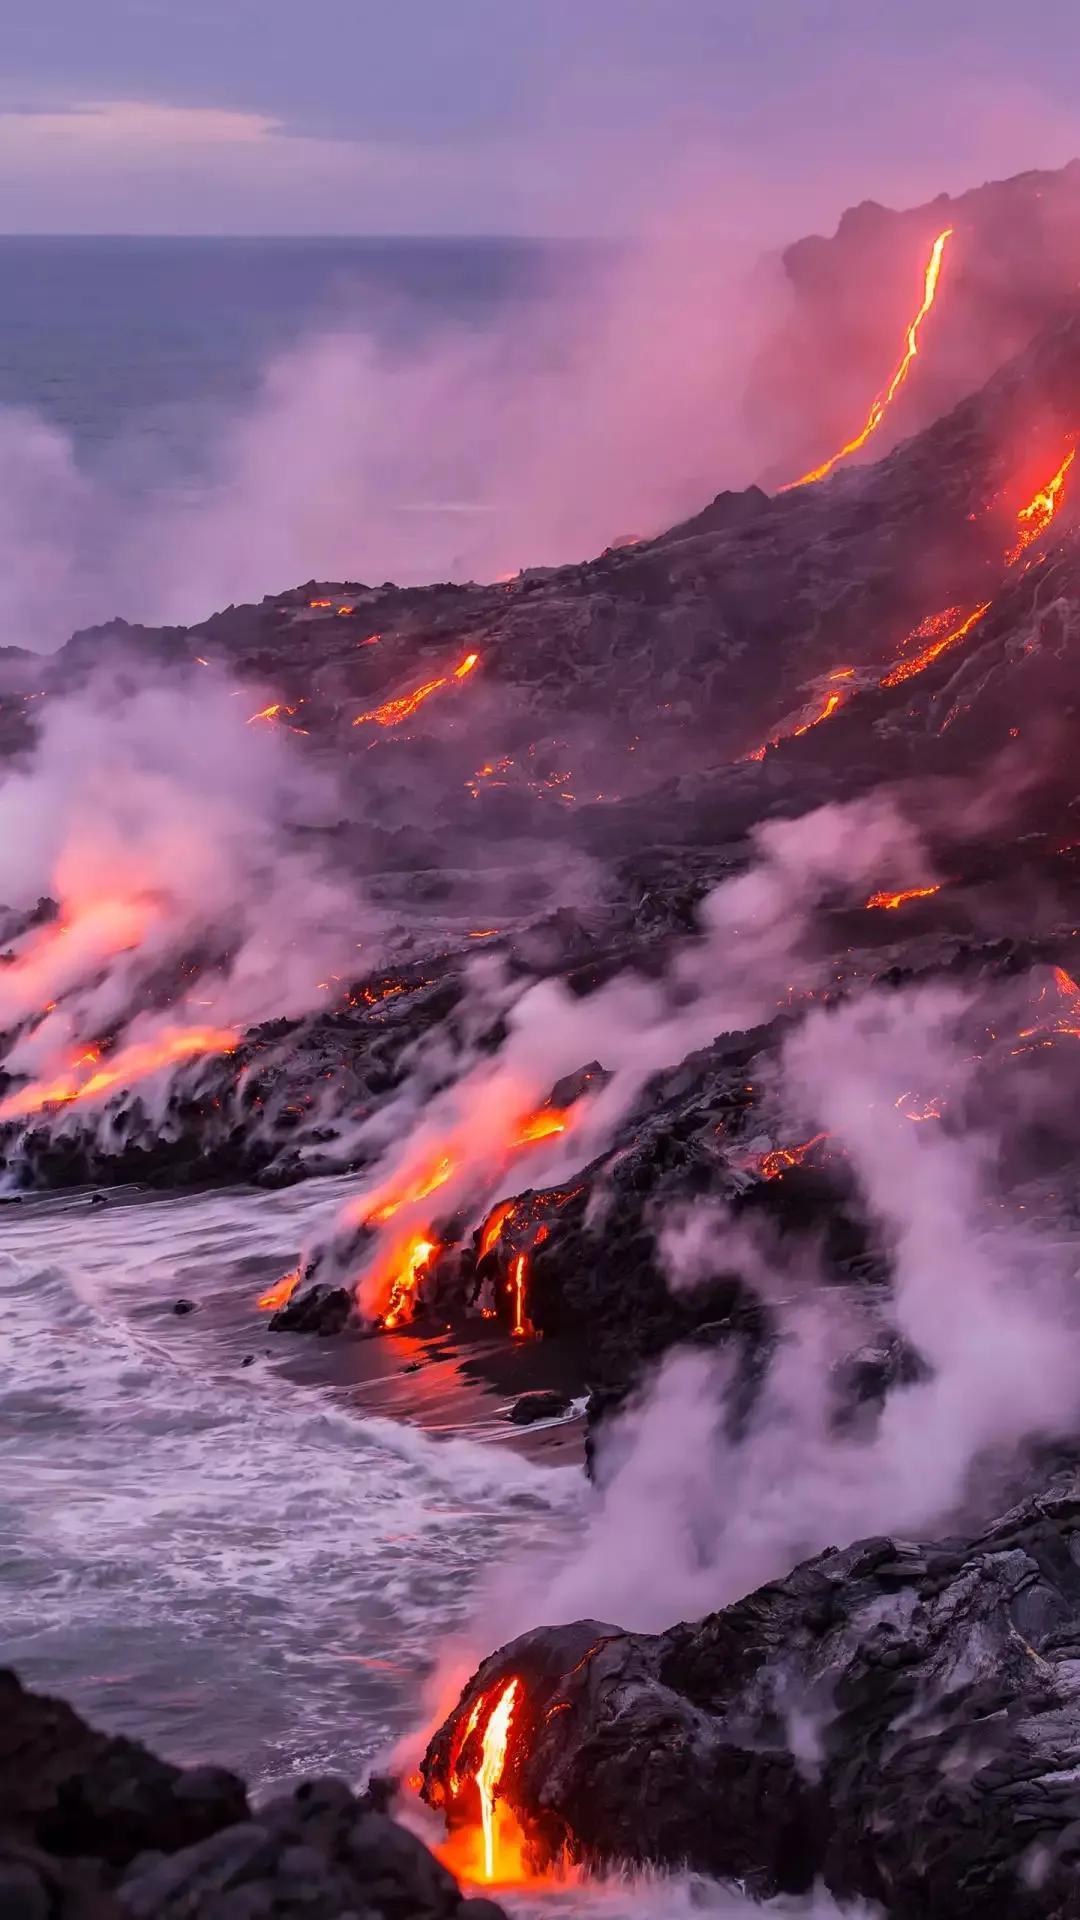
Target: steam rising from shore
607,406
162,827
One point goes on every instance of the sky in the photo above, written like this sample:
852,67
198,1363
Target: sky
516,116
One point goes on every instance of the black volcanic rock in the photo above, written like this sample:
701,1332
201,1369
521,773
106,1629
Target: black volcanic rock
317,1309
899,1721
543,1403
96,1828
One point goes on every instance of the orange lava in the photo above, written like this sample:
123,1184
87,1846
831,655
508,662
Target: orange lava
780,1158
122,1069
493,1226
884,400
280,1293
417,1256
907,669
1034,519
493,1765
831,703
393,712
489,1850
891,900
271,713
436,1176
320,603
541,1125
521,1328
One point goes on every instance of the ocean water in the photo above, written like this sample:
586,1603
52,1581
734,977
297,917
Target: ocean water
146,340
228,1562
186,424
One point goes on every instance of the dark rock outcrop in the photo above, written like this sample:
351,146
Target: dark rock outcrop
898,1721
95,1828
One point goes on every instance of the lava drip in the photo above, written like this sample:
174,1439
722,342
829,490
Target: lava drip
884,400
485,1840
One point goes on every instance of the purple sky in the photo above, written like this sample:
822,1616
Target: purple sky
527,116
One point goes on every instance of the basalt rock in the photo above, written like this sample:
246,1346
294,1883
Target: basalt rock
96,1828
317,1309
542,1403
898,1721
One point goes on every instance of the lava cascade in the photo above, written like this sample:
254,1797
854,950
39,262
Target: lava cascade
884,399
1034,518
122,1068
485,1841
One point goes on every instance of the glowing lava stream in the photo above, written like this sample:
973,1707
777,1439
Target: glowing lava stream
1034,519
883,401
907,669
892,900
280,1293
401,1258
493,1765
119,1069
393,712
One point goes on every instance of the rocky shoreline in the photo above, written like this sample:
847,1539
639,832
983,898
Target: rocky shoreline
94,1827
896,1721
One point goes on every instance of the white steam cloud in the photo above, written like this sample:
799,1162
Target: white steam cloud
690,1517
160,822
608,406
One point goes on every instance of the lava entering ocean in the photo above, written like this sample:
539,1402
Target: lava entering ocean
128,1064
884,400
485,1841
469,1165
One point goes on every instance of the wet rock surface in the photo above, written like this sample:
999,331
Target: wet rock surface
897,1720
95,1828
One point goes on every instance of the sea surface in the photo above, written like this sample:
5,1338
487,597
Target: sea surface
203,1551
146,340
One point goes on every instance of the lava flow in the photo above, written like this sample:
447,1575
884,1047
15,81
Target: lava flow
393,712
280,1293
832,702
884,400
119,1069
892,900
394,1274
1034,519
777,1162
414,1261
495,1852
907,669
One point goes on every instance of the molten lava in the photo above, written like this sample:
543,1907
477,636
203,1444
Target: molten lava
892,900
907,669
280,1293
833,700
521,1328
393,712
884,400
122,1068
541,1125
436,1176
410,1268
493,1766
493,1226
1034,519
831,703
776,1162
271,713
